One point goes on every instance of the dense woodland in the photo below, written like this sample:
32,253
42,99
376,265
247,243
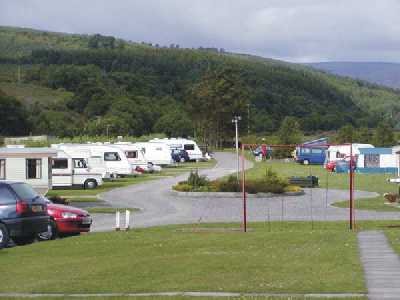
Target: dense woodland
109,85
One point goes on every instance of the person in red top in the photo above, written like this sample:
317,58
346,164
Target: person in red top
264,151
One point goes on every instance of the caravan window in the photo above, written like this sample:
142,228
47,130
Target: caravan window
111,156
131,154
33,168
371,160
60,163
79,163
189,147
2,169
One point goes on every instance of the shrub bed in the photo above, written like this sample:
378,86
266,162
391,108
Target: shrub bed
269,183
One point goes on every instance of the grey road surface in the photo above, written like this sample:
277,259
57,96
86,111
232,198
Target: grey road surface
159,206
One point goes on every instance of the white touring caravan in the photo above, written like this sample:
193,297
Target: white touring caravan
68,172
156,153
189,146
115,159
133,153
342,152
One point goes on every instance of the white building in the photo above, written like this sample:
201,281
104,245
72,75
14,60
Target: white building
30,165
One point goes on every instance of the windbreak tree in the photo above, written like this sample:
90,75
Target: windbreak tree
384,136
214,101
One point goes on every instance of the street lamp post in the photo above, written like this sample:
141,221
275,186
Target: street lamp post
235,120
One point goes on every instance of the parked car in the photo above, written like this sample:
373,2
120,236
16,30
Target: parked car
179,155
65,220
23,213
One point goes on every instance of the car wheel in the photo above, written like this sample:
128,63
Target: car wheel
90,184
20,241
4,237
306,162
51,232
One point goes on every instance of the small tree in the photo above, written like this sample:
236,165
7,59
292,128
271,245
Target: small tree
289,134
346,134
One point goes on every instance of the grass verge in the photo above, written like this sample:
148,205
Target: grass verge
376,204
289,258
108,210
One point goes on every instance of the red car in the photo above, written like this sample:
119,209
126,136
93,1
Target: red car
330,166
65,220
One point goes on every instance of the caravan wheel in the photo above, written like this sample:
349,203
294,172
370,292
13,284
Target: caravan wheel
90,184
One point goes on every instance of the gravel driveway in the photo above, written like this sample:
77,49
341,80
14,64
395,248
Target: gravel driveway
160,207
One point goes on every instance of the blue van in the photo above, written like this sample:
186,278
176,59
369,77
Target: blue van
313,152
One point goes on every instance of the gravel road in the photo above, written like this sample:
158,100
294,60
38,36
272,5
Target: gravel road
160,207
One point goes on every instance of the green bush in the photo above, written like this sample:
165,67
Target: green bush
196,180
229,185
183,187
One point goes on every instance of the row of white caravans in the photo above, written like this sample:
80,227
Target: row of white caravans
88,164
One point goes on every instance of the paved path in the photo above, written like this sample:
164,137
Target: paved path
160,207
381,266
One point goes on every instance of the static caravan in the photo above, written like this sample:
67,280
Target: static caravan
312,152
115,160
342,152
29,165
68,172
182,144
156,153
377,160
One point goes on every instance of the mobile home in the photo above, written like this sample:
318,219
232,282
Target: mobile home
377,160
30,165
182,144
115,159
134,154
68,172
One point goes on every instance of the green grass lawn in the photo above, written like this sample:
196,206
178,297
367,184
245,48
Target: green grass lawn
192,298
291,258
376,204
122,182
108,210
365,182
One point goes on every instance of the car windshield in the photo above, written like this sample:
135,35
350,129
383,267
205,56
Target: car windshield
24,191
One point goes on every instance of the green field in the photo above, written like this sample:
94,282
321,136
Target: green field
377,204
290,258
193,298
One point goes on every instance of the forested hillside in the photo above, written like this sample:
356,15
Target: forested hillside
71,85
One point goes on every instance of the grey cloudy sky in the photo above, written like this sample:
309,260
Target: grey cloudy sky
293,30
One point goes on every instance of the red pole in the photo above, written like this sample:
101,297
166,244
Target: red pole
351,188
244,192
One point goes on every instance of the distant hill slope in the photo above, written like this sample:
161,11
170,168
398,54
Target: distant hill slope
387,74
103,82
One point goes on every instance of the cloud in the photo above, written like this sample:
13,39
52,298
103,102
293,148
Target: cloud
295,30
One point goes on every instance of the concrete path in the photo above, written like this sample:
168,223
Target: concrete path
381,266
160,207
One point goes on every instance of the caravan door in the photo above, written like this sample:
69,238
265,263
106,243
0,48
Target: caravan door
61,172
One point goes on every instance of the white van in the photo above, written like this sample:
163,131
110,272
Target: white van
115,159
68,171
189,146
156,153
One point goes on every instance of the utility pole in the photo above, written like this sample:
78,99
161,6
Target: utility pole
248,118
235,120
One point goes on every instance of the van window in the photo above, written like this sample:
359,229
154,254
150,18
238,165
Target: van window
188,147
131,154
305,150
111,156
6,196
33,168
79,163
2,169
316,151
60,163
